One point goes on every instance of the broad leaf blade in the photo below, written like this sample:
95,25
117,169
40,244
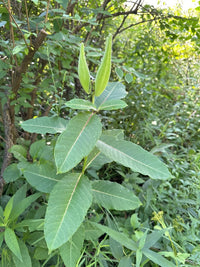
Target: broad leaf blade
70,251
77,141
11,173
45,125
42,176
134,157
113,91
68,204
80,104
12,243
111,195
113,104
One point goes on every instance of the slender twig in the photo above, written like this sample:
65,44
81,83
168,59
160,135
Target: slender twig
47,11
29,29
10,14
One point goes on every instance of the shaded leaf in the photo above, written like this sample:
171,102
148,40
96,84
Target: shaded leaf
12,242
128,78
45,125
112,195
120,237
19,152
42,176
157,258
11,173
26,260
134,157
113,104
113,91
70,251
22,205
80,104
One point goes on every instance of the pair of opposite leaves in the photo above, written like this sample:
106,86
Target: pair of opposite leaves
103,73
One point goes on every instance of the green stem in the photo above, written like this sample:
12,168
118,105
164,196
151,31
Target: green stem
84,165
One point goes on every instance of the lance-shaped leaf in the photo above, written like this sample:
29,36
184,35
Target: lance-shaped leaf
111,195
80,104
77,141
119,237
12,243
114,91
113,104
70,251
45,125
83,71
68,204
103,73
134,157
42,176
157,258
26,260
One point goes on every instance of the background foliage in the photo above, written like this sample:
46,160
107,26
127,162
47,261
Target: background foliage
156,56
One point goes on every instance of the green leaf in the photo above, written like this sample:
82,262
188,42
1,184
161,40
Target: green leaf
113,91
156,258
138,257
125,262
112,195
134,157
42,176
26,260
70,251
22,205
45,125
12,242
134,221
119,73
113,104
11,173
92,232
115,247
77,141
19,152
41,253
18,49
31,224
115,133
103,73
152,238
80,104
96,159
8,209
128,78
83,71
13,202
119,237
68,204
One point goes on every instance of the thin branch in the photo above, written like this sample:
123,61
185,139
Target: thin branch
134,24
47,12
10,14
29,29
